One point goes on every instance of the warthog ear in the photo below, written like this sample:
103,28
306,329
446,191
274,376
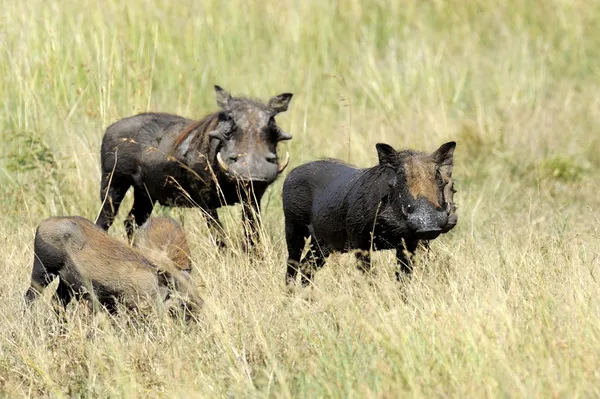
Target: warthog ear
444,157
280,103
387,155
223,98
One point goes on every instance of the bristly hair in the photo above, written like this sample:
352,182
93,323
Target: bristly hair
401,154
203,125
253,101
338,161
409,153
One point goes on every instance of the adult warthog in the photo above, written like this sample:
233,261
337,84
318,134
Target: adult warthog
229,156
405,199
92,265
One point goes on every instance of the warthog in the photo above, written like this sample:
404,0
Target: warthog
92,265
229,156
404,199
162,239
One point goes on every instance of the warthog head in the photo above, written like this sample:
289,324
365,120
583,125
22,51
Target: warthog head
248,136
419,190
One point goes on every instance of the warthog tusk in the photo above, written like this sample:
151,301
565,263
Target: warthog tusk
283,165
222,164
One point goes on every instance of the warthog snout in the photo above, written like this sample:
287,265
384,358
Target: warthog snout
252,167
425,219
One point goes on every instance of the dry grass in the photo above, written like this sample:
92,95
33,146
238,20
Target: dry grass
506,304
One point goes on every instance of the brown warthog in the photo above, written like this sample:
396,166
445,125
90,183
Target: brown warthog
94,266
162,239
229,156
405,199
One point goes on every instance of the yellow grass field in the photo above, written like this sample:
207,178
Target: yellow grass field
505,305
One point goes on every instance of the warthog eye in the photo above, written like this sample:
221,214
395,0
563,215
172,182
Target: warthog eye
438,176
227,124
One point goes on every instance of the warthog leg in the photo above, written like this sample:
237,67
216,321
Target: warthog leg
111,195
251,219
314,260
364,260
295,236
63,295
140,211
215,227
404,254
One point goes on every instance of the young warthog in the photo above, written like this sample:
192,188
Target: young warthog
162,240
95,266
406,198
229,156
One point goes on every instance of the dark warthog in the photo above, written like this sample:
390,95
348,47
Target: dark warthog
161,239
229,156
94,266
404,199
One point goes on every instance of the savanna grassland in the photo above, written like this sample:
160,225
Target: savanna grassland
505,305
